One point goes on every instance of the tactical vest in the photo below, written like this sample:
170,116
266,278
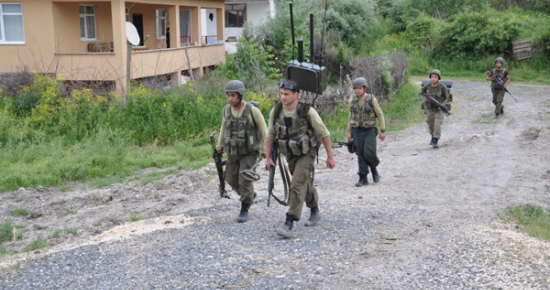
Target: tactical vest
436,93
362,116
240,135
500,74
300,137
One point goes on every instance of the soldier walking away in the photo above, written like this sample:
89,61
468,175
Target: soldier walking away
242,137
298,130
364,109
434,114
498,88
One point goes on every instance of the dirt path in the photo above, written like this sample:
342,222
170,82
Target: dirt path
428,203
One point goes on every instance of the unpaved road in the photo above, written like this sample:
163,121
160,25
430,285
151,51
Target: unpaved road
431,223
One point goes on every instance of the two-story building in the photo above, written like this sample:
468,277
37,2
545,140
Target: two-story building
87,40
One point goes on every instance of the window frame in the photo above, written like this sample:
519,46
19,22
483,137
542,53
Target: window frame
160,20
227,11
84,16
3,24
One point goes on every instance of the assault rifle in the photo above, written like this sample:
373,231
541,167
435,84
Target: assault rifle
501,83
438,104
349,144
270,182
219,166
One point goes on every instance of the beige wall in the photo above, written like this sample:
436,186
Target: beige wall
53,43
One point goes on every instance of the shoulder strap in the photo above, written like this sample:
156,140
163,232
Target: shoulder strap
277,111
227,111
304,110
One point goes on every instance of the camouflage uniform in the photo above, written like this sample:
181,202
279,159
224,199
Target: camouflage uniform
242,138
498,90
434,116
298,133
362,124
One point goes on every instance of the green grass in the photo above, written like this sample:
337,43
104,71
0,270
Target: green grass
71,211
19,212
72,231
6,231
97,224
134,217
532,219
56,234
157,175
36,244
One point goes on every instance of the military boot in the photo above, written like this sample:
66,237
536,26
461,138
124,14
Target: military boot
285,230
375,175
496,116
502,110
243,215
435,143
314,217
432,141
362,180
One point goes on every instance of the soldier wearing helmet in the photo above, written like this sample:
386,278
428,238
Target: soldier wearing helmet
242,137
364,111
298,130
500,78
434,115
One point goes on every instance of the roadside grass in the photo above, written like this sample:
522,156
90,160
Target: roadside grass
36,244
531,219
71,211
134,217
56,234
152,176
72,231
19,212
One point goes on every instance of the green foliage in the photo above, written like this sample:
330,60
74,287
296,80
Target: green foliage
134,217
18,212
422,32
402,109
252,63
36,244
56,234
471,35
349,17
72,231
6,231
534,220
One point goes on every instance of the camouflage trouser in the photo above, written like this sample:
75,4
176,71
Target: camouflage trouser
498,98
301,185
236,164
364,140
434,119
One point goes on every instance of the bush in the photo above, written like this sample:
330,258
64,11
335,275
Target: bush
473,35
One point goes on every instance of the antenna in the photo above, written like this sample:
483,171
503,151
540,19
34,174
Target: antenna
323,33
312,45
292,28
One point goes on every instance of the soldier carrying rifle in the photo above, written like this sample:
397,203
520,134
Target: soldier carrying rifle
499,78
434,113
242,137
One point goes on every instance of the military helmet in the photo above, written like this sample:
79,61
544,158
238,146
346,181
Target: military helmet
500,59
436,72
358,82
235,86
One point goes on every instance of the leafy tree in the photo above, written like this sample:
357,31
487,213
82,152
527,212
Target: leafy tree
471,35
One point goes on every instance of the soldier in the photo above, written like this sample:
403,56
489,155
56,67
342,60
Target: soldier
242,136
364,109
434,115
298,131
499,88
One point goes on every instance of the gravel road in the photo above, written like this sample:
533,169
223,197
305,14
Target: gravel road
433,221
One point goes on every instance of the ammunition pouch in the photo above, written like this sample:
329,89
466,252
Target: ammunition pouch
351,146
294,147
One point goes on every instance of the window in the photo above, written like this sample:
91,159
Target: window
11,23
161,24
235,15
87,22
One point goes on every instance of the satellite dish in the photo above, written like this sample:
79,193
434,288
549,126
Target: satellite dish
132,34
